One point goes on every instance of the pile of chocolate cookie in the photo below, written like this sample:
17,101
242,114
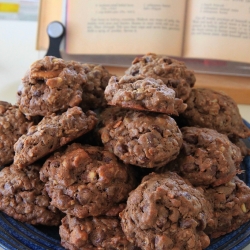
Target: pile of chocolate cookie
139,161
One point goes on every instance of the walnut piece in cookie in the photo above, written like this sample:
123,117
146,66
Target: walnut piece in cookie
93,91
165,212
23,197
51,133
141,93
172,72
50,85
144,139
231,207
206,157
13,124
91,233
86,180
211,109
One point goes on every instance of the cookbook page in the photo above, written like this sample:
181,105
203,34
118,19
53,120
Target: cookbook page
125,27
218,29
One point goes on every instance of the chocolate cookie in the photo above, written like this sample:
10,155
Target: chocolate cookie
93,233
51,133
172,72
211,109
207,157
143,94
23,197
231,205
143,139
86,180
164,212
50,85
111,114
93,90
13,124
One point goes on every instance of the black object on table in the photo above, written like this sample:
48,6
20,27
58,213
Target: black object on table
56,32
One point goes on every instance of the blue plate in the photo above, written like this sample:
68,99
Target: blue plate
16,235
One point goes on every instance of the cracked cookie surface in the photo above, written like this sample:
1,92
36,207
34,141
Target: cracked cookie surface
172,72
141,93
206,157
50,85
13,124
93,91
231,207
86,180
100,232
164,212
211,109
143,139
23,196
51,133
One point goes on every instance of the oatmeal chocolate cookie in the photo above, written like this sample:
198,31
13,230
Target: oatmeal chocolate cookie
231,205
105,115
86,180
143,94
164,212
143,139
93,90
207,157
111,114
172,72
13,124
51,133
50,85
100,232
211,109
23,197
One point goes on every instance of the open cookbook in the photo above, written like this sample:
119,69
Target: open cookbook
211,29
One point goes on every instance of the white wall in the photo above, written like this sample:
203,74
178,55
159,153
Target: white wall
17,53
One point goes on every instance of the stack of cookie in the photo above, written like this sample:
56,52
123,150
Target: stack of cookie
155,168
184,137
50,179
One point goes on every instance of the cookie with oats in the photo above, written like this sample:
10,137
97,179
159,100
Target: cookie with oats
51,85
172,72
87,180
141,93
51,133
